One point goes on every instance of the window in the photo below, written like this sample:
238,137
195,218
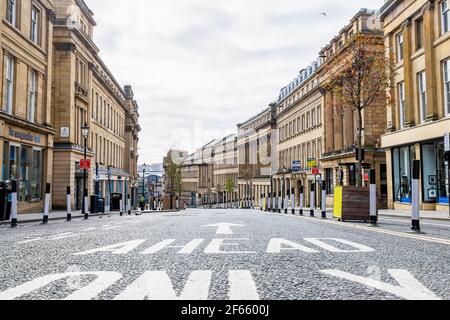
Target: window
35,24
401,106
419,34
9,63
32,96
402,170
447,86
329,181
313,118
445,21
319,115
422,96
399,47
11,11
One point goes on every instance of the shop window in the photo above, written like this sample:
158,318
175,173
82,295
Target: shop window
435,180
24,171
36,175
352,175
329,180
402,170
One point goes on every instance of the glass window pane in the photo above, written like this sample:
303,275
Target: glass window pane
429,179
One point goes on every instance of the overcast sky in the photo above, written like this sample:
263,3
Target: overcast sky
199,67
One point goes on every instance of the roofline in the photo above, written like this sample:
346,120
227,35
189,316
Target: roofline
387,7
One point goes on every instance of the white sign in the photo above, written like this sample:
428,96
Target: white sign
447,141
65,132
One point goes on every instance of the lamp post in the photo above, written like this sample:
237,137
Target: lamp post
85,132
144,168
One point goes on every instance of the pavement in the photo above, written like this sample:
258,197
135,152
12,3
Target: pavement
62,215
223,254
433,215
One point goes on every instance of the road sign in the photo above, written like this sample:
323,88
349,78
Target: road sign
315,171
85,164
296,165
312,163
447,142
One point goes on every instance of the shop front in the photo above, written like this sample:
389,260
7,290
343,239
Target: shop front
434,175
25,154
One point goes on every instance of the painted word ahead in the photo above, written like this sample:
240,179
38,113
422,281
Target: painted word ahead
232,246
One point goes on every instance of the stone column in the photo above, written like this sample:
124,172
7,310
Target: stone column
409,83
338,122
329,122
430,74
349,129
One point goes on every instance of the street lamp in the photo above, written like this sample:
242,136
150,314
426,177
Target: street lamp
144,168
85,132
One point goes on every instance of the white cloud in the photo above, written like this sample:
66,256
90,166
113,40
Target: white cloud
200,67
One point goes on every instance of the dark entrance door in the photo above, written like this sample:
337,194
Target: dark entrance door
78,193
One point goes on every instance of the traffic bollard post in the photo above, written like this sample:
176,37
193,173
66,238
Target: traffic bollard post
415,217
68,205
46,203
373,198
13,203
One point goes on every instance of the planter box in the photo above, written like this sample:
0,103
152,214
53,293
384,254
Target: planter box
352,203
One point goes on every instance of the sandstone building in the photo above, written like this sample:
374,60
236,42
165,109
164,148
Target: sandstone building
26,132
417,35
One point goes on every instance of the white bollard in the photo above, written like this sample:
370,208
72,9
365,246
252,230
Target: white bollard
324,200
14,204
280,202
69,205
286,202
302,199
373,198
293,201
46,203
312,199
416,197
121,207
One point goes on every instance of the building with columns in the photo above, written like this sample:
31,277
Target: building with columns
85,92
417,35
341,126
132,129
225,168
26,132
299,117
257,141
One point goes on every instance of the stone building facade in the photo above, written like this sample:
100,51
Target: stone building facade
257,157
26,132
341,126
86,93
300,130
417,35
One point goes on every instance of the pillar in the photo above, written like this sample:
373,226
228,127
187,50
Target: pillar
329,122
430,74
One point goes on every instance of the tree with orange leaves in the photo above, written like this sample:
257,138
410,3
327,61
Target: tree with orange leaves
361,76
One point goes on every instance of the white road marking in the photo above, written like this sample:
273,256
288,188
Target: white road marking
276,246
119,248
156,285
422,223
216,244
92,290
242,285
378,230
409,287
31,240
187,249
224,228
358,247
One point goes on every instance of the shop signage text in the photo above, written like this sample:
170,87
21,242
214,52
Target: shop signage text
24,136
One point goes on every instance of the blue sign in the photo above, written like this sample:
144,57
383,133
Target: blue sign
296,164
